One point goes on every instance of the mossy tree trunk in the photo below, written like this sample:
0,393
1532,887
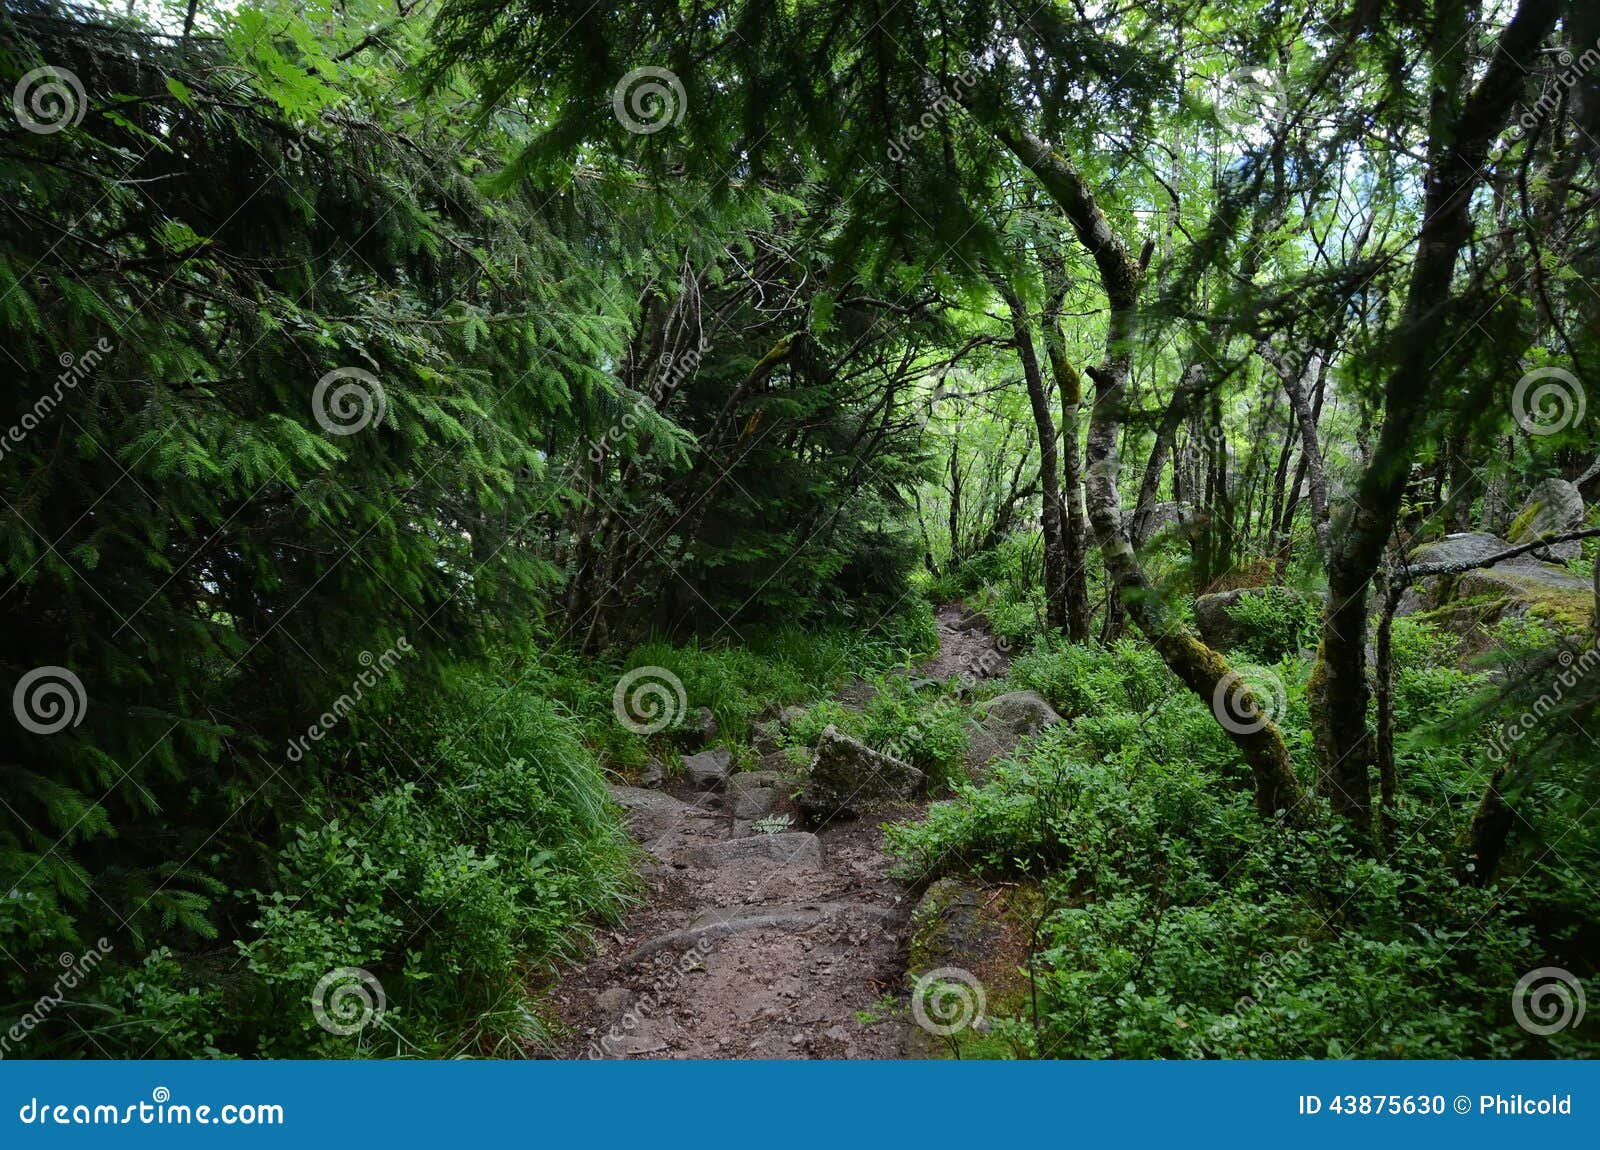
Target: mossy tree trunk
1461,129
1196,665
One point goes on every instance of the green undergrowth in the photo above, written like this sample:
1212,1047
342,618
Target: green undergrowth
1179,925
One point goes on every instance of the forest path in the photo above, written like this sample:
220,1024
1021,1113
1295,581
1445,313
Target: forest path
762,946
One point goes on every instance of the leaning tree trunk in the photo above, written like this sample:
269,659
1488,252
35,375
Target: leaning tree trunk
1196,665
1457,151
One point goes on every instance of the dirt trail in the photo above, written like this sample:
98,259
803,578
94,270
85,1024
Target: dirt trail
750,956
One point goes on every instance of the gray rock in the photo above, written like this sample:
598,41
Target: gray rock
708,769
699,727
1004,722
972,621
792,848
652,774
614,1000
659,821
1468,545
1468,605
1217,627
1162,516
1553,506
753,794
1020,712
847,776
790,715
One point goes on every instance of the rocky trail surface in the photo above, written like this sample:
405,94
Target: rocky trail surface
761,945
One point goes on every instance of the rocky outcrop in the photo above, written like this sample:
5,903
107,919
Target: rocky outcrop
1003,722
1214,620
710,769
1553,507
969,953
1471,603
847,776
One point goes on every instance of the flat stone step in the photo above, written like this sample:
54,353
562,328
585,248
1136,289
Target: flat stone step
793,848
737,920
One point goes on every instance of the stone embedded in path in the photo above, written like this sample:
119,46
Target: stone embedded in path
736,920
753,794
708,769
847,776
1004,722
794,848
659,821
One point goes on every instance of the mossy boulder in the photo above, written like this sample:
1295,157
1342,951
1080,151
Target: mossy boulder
969,954
847,776
1003,722
1472,603
1553,506
1214,616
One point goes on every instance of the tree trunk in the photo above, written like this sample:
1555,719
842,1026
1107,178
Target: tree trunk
1055,557
1491,827
1074,525
1457,149
1197,666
